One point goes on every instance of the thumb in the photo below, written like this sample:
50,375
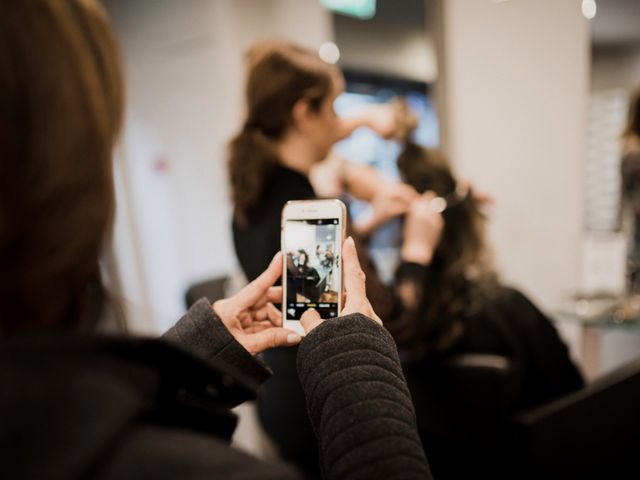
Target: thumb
310,320
271,338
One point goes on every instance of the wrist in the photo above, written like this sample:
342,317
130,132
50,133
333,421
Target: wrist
416,253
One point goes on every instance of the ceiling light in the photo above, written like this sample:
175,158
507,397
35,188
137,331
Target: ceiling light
589,9
329,52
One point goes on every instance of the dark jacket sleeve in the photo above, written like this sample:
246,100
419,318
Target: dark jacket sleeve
201,331
359,403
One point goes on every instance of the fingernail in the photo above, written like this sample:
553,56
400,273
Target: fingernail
350,240
293,338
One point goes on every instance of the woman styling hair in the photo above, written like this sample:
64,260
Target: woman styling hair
456,313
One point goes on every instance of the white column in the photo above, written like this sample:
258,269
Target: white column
514,85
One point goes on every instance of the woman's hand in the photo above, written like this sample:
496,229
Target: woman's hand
423,227
251,317
383,119
392,200
355,291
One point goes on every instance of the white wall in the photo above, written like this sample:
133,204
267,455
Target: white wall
184,76
515,89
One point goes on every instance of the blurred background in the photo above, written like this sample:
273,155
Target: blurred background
528,98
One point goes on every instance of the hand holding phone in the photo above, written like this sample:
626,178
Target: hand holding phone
250,315
356,300
312,236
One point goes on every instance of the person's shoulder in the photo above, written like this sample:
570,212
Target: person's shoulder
152,451
511,295
509,302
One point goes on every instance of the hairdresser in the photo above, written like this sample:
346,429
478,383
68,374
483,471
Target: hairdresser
290,128
76,402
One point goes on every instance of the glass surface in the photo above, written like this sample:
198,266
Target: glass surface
603,310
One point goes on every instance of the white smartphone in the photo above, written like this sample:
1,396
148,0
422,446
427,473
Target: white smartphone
312,236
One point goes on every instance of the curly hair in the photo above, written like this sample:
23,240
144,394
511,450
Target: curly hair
461,276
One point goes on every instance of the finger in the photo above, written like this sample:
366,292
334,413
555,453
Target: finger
274,294
246,320
271,338
274,315
354,278
260,315
310,320
428,195
250,294
258,327
408,193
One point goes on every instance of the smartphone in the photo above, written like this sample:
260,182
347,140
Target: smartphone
312,235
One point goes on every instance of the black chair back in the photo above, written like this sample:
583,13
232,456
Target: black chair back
213,289
591,433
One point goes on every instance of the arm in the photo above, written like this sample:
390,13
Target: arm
359,403
239,327
388,199
382,119
358,400
201,331
422,231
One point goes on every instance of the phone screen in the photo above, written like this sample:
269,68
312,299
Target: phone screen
312,254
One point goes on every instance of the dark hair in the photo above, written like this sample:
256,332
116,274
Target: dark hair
306,256
633,117
279,75
61,108
461,275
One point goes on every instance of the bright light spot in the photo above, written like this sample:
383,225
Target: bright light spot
589,9
329,52
438,205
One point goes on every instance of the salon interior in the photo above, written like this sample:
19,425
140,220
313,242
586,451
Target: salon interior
529,100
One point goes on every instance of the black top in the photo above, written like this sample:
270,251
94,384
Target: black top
257,239
75,406
256,242
509,357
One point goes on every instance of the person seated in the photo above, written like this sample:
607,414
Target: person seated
76,402
456,312
306,279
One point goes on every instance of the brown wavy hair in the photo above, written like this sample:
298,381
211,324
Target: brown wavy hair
61,109
461,277
279,75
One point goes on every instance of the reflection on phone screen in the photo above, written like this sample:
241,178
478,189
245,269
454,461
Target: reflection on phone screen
313,278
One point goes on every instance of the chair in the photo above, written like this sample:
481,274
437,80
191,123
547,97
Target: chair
462,408
213,289
591,433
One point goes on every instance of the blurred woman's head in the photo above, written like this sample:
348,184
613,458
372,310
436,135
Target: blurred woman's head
61,108
461,271
289,93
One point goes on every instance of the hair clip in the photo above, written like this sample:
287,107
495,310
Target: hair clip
459,195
